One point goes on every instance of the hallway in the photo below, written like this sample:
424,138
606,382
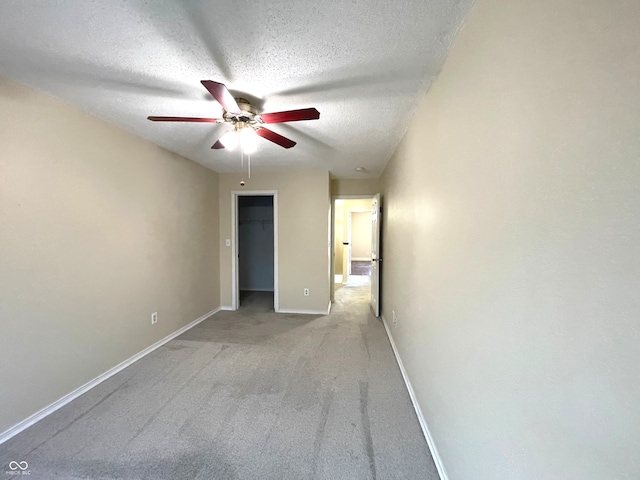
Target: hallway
244,395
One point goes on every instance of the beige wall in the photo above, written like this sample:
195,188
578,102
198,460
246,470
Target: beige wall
364,186
303,235
98,229
512,244
361,235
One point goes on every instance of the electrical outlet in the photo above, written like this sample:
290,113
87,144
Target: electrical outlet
395,319
154,318
306,292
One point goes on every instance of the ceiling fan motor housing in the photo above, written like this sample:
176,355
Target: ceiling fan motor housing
244,119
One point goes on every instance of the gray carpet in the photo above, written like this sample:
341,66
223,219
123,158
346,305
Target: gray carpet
243,395
256,301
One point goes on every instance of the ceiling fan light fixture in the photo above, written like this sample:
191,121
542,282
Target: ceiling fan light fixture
248,140
230,140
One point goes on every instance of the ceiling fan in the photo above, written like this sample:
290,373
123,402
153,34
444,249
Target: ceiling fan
244,123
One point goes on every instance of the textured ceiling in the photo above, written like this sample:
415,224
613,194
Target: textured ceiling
364,64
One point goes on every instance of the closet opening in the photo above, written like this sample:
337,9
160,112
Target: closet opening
255,242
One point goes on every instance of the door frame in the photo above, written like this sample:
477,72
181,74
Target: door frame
376,235
332,273
347,261
235,277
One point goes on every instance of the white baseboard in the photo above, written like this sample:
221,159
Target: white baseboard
290,310
423,423
306,312
48,410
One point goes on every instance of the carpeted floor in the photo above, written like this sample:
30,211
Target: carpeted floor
257,301
243,395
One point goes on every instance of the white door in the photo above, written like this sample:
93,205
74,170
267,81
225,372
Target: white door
376,212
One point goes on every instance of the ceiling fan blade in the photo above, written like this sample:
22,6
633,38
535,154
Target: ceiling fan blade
222,95
185,119
275,137
223,130
291,116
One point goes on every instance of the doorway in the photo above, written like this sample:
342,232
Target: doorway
351,242
254,237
